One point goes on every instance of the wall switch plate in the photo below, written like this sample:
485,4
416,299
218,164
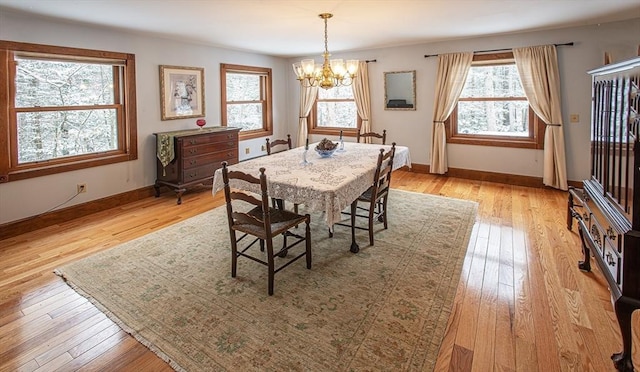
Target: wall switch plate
247,150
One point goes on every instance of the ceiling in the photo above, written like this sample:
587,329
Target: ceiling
289,28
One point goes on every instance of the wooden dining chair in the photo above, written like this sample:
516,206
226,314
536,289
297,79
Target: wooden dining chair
278,142
366,135
374,199
270,145
263,223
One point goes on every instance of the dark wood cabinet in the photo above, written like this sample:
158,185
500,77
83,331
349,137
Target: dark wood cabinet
190,157
607,207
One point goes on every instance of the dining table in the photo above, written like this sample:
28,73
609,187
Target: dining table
323,184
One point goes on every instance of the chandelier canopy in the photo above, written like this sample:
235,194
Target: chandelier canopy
329,74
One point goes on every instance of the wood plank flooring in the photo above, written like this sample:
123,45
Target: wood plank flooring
521,304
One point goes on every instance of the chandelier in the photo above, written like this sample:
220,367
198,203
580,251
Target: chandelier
330,74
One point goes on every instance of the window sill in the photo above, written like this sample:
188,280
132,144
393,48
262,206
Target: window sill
334,131
512,142
247,135
23,173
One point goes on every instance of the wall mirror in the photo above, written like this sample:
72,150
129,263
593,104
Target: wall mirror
400,90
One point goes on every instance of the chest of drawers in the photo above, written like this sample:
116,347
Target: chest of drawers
607,208
190,157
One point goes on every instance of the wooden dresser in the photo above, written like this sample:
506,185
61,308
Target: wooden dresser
607,209
190,157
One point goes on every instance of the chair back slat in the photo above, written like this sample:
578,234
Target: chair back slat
243,176
278,142
238,195
369,135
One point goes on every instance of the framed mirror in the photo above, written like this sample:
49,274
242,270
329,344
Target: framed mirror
400,90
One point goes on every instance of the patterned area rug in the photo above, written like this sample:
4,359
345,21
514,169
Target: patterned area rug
384,308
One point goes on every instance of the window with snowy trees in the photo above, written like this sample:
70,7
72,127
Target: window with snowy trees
246,99
68,109
334,111
492,109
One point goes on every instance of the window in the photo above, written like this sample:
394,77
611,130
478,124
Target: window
493,109
68,109
246,100
334,111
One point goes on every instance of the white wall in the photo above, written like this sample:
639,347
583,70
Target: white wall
22,199
25,198
414,128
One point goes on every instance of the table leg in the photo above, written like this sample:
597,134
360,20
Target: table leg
354,245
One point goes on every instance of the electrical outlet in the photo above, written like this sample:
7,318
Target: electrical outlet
247,150
263,148
82,187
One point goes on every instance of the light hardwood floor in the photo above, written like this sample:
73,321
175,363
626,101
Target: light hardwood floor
521,305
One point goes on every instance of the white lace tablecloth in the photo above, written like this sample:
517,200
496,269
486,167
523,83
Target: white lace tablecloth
326,185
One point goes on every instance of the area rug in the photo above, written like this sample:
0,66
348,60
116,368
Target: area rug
384,308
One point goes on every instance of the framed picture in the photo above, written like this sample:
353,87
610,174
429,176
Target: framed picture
181,92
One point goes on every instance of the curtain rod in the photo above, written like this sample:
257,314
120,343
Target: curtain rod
371,60
495,50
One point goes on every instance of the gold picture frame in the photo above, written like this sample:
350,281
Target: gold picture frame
181,92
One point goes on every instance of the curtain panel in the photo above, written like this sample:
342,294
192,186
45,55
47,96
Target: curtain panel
452,73
540,76
307,98
362,96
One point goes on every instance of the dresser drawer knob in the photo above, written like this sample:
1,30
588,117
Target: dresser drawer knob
193,151
193,162
193,142
193,175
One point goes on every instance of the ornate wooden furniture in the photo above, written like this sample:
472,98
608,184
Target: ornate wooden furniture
263,223
190,157
382,136
607,209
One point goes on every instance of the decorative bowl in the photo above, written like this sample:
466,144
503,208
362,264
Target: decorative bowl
325,153
326,148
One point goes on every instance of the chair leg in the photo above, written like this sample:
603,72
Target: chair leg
354,207
270,266
307,236
234,253
284,244
372,211
384,212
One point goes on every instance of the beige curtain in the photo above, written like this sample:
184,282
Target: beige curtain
307,98
362,96
538,69
452,73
